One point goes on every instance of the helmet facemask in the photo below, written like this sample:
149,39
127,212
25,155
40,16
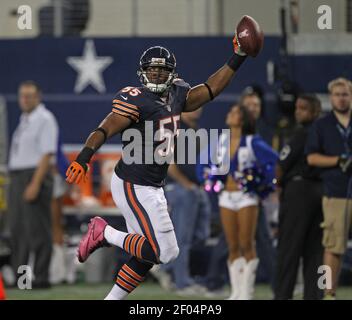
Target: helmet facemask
156,78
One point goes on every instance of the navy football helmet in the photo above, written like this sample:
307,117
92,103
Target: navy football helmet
157,57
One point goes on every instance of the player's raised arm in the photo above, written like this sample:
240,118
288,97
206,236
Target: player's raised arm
248,40
111,125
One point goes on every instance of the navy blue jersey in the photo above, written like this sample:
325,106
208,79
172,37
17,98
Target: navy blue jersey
147,109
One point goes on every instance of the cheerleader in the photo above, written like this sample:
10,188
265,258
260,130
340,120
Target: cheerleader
239,199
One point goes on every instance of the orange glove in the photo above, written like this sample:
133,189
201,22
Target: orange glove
76,171
237,46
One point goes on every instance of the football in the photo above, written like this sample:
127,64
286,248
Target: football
250,36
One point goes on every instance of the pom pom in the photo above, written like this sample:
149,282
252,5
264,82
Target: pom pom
253,180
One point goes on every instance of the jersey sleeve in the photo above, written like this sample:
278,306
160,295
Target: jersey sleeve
127,103
182,90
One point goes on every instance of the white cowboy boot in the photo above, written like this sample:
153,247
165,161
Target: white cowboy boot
236,269
248,280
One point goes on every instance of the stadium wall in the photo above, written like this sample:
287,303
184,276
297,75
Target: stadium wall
47,62
181,17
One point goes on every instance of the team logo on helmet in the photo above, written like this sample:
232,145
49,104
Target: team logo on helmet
156,61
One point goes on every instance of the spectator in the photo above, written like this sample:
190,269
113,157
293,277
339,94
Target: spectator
300,206
329,147
253,99
33,145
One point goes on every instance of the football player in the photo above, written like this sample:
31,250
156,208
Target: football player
137,188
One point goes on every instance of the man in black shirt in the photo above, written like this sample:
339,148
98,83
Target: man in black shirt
300,210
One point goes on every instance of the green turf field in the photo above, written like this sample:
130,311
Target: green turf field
147,291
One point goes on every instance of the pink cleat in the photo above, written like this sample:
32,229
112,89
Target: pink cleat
93,239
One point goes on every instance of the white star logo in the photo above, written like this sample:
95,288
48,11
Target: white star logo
90,68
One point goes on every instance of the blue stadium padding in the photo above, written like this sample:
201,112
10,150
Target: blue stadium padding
45,61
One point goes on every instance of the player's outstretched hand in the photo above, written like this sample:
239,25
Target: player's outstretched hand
76,172
249,37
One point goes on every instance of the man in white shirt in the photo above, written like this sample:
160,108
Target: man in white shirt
33,146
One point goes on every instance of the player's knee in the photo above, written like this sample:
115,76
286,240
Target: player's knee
169,254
